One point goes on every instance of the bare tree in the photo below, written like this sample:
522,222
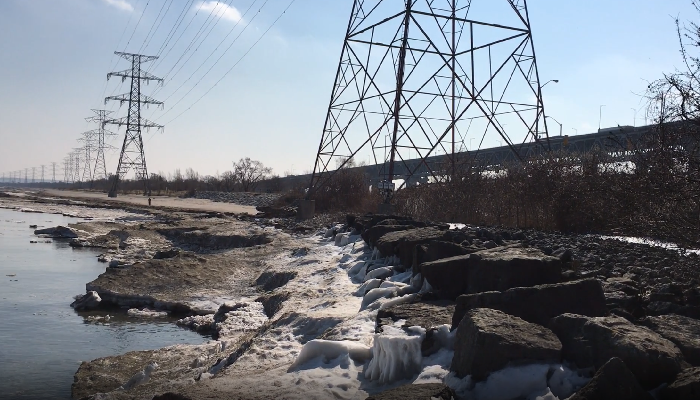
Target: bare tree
249,173
676,96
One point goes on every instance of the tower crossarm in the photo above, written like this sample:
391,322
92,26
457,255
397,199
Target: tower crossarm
143,99
142,75
144,123
131,56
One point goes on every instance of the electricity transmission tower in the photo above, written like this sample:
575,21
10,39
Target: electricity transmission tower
26,172
100,169
132,154
43,167
53,165
89,142
67,168
76,166
416,77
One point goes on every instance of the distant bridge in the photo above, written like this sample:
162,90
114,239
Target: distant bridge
618,140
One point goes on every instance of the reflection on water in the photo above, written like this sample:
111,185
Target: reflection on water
42,340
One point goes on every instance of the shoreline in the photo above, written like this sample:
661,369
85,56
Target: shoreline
328,308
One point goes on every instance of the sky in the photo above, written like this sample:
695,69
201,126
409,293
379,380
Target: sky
252,87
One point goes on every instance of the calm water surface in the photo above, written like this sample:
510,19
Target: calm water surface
42,340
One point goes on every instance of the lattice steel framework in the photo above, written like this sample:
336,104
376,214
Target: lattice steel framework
416,77
99,171
132,155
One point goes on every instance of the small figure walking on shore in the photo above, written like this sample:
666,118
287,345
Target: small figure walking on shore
149,201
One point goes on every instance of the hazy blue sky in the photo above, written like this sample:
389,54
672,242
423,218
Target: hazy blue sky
55,55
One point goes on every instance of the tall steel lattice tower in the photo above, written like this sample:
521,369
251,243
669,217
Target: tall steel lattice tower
132,155
418,80
100,117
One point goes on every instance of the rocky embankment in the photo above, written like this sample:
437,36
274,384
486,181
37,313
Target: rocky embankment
241,198
385,307
627,311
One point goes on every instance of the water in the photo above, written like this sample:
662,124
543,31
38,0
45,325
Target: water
42,340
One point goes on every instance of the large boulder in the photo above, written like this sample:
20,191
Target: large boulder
402,243
489,340
539,304
428,391
497,269
89,301
613,381
685,387
437,250
373,234
684,332
58,232
592,341
427,314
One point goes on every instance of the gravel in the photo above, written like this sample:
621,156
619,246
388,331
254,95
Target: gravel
241,198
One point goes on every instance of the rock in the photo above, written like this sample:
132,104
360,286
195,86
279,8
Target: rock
58,232
170,396
373,234
489,340
612,381
276,212
427,314
539,304
272,280
499,269
685,387
89,301
684,332
428,391
166,254
565,255
592,341
402,243
437,250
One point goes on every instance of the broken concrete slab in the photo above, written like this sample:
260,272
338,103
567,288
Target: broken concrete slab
498,269
539,304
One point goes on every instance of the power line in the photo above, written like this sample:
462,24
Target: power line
130,38
157,64
219,45
194,39
110,66
234,65
174,29
170,3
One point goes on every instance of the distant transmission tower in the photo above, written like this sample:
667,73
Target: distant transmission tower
76,166
100,169
132,154
417,77
68,169
53,165
88,140
26,172
33,172
43,167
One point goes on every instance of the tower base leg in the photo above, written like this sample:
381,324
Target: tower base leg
307,209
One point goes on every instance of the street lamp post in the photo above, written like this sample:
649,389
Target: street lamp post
561,126
575,130
551,80
600,117
635,117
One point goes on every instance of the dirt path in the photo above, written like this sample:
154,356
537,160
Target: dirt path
157,201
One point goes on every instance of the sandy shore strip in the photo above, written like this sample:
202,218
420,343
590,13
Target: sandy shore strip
156,201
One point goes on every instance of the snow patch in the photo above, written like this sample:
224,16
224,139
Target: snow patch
381,273
375,294
146,313
396,354
329,350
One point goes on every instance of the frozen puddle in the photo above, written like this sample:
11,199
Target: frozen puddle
325,346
